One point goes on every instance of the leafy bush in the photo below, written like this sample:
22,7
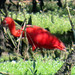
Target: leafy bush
42,66
38,67
52,6
59,24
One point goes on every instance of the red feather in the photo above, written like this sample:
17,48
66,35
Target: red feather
37,36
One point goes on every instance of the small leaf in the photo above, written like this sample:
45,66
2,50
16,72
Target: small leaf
35,72
34,65
31,70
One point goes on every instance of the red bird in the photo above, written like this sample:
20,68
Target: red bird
37,36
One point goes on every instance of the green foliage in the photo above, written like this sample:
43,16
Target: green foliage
41,66
73,71
31,67
34,71
57,21
59,24
50,5
29,7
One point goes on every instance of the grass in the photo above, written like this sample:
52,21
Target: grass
41,67
73,71
59,24
44,66
48,66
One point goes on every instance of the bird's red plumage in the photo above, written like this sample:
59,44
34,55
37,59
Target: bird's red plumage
37,36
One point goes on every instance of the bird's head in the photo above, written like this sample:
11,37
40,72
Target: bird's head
7,21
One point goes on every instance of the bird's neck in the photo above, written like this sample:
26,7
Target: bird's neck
13,30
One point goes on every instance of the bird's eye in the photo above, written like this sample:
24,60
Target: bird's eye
4,23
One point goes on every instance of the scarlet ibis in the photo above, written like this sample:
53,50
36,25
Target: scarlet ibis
37,36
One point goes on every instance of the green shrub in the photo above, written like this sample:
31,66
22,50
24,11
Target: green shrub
40,66
52,6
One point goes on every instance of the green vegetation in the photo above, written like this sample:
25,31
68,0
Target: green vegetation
58,23
73,71
41,66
